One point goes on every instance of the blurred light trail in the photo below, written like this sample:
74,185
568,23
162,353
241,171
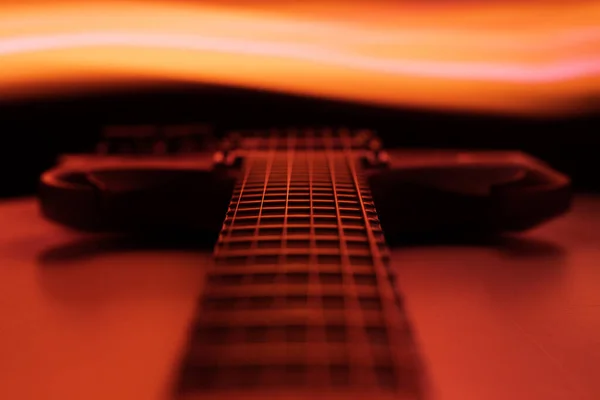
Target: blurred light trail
546,59
550,72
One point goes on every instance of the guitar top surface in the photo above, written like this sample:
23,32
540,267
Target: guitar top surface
299,300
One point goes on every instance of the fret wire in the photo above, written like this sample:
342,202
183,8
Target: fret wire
237,205
251,257
323,179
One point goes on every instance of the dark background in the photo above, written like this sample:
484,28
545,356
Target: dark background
35,132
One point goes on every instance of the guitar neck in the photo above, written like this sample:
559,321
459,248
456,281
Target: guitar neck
300,299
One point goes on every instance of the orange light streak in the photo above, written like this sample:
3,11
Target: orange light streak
506,57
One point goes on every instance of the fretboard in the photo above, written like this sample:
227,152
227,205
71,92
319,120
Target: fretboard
300,300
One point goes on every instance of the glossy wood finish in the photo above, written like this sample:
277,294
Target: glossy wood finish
85,317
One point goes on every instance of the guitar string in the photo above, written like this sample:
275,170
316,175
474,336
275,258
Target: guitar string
332,159
380,271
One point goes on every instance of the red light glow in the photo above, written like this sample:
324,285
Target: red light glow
502,57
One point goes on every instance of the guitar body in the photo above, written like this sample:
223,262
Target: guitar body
300,300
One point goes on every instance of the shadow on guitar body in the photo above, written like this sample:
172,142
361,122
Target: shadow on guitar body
89,247
99,245
510,245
